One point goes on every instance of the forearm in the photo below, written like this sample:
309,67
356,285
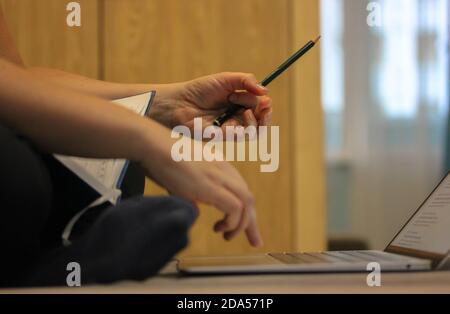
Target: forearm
61,120
102,89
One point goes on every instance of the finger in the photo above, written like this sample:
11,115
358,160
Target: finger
249,130
227,202
243,224
266,117
219,226
242,81
249,224
250,121
252,232
264,103
249,118
239,188
244,99
234,122
237,132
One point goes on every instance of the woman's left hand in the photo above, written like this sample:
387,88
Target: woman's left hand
208,97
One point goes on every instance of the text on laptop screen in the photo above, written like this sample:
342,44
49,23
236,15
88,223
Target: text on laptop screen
429,228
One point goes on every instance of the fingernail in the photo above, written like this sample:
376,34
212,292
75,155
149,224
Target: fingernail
263,88
264,106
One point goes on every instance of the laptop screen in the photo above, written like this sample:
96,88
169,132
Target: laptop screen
428,230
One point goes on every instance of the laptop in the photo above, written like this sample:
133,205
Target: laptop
423,243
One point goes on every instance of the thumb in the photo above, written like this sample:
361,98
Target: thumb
242,81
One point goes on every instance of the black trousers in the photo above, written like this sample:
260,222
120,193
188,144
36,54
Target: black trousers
130,241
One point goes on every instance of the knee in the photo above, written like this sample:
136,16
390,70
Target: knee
148,217
174,212
138,237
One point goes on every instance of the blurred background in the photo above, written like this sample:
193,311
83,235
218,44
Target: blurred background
385,101
363,119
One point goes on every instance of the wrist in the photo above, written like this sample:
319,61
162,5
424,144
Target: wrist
155,144
167,98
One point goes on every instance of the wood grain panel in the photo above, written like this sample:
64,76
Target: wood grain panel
43,37
308,164
162,41
167,41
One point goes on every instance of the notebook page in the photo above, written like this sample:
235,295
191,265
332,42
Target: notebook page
103,174
138,103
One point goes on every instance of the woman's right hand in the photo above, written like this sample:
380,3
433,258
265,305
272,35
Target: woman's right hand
215,183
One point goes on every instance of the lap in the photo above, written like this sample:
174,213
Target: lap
25,193
129,241
25,186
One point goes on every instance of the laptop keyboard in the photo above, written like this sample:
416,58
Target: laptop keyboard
334,257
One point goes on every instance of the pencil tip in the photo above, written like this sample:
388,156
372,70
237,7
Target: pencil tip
317,39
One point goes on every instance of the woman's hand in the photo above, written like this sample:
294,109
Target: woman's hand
208,97
214,183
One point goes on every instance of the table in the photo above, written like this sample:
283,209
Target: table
168,281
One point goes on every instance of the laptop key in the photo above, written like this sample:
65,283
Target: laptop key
358,256
285,258
325,258
310,259
382,256
341,257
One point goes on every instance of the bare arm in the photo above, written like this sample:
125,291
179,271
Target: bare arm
102,89
174,104
64,121
60,113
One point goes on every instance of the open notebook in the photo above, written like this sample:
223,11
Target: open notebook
104,176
